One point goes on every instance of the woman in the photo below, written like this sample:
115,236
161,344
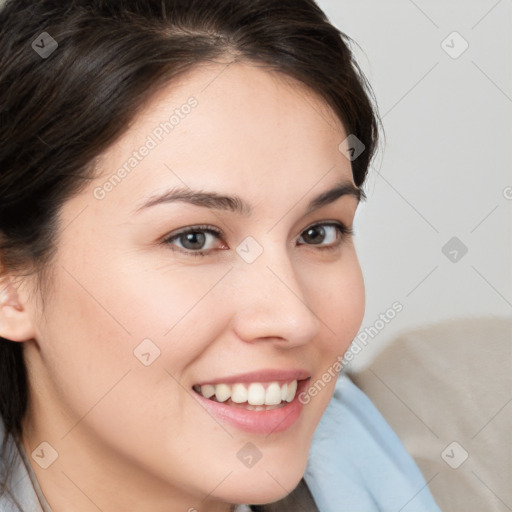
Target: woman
178,186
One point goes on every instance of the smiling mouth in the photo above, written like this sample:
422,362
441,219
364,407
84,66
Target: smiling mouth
254,396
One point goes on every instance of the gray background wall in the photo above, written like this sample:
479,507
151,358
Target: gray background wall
445,169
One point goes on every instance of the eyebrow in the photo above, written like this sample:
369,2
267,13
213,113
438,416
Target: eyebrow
235,204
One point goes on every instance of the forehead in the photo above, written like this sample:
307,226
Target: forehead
232,127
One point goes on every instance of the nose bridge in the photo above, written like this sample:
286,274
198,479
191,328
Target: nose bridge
271,302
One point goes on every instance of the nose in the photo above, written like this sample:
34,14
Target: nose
270,303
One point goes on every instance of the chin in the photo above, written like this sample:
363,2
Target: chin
266,485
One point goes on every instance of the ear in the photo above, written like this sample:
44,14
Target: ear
15,322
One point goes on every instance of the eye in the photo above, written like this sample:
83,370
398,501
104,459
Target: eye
327,235
196,240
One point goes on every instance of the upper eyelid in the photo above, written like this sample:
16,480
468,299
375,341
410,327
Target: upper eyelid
193,229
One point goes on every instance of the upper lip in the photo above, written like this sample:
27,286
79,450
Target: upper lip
271,375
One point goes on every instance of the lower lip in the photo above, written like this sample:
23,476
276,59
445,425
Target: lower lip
256,422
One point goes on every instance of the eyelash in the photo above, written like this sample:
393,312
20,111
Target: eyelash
344,231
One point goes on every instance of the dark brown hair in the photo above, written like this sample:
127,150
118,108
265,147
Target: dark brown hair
60,111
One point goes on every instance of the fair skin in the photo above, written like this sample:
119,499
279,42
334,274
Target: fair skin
134,436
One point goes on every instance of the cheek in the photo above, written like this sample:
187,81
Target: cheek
157,298
178,309
339,301
87,348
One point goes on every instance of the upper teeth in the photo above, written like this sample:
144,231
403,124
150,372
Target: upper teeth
254,393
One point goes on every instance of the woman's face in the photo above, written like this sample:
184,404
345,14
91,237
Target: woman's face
141,320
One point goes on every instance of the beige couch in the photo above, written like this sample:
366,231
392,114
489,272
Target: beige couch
446,390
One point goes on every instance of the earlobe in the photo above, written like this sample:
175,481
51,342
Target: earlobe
15,322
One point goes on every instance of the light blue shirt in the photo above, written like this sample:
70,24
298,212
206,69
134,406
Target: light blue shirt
356,464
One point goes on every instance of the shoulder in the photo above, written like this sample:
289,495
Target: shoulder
17,492
357,460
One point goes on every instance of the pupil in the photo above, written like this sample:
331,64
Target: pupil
194,240
310,233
